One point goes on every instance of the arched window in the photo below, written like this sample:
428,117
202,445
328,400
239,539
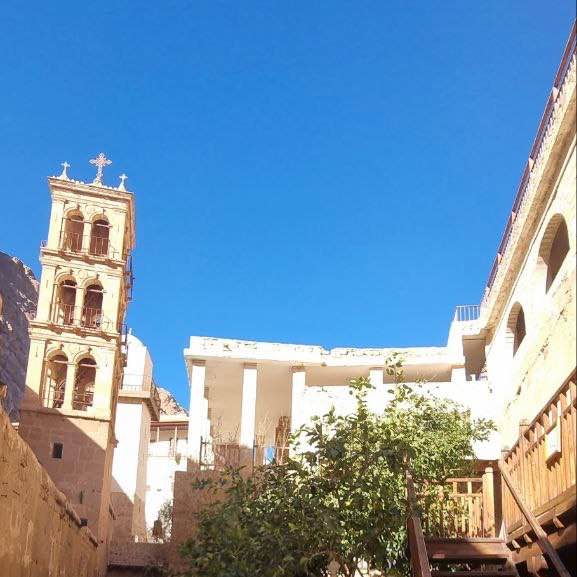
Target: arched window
516,326
55,380
520,331
559,250
84,384
554,248
73,231
99,237
92,309
66,301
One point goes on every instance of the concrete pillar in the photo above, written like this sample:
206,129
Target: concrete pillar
297,394
248,406
375,398
196,419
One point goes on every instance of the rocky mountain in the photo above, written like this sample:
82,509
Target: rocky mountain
169,405
18,298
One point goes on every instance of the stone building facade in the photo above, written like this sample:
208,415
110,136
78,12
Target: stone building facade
76,358
42,535
18,298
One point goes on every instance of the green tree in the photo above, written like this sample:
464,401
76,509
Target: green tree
342,497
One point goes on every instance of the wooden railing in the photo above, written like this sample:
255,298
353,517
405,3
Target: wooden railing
541,464
419,559
542,539
462,507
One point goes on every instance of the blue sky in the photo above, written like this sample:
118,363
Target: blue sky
332,172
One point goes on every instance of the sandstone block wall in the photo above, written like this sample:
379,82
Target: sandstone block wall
125,556
41,534
18,298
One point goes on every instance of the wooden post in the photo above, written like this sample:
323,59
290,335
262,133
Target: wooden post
523,480
504,501
488,503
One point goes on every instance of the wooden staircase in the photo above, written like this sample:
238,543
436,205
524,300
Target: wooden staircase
473,557
454,557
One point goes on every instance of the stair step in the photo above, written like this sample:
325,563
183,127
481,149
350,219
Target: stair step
476,573
475,550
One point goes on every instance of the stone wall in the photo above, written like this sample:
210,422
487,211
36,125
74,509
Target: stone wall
135,559
18,298
41,534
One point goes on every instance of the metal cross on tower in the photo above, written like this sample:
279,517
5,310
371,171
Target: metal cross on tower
100,162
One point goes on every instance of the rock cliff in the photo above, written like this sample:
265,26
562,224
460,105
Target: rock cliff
168,404
18,298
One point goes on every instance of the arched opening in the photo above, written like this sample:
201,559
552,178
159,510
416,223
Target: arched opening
99,237
559,250
92,309
84,384
73,231
66,302
55,381
554,248
520,331
516,328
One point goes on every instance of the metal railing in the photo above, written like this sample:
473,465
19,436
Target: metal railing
93,245
546,121
217,456
464,313
84,317
82,400
144,384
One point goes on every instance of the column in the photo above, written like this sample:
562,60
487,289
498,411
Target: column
79,305
195,417
375,398
297,394
248,406
69,388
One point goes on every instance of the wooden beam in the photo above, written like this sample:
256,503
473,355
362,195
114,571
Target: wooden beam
419,558
542,540
563,538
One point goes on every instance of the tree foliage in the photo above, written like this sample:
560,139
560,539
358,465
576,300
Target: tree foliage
341,498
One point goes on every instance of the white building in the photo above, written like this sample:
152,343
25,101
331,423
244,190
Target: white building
167,454
138,405
251,394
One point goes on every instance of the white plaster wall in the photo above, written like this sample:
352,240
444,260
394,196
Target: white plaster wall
125,465
139,366
476,396
526,381
160,474
144,436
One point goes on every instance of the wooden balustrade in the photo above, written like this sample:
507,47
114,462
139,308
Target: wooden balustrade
541,464
463,507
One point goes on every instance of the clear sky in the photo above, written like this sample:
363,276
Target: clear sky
330,172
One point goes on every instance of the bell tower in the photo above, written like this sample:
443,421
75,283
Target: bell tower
76,353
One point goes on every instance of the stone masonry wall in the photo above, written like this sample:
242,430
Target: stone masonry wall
41,534
18,296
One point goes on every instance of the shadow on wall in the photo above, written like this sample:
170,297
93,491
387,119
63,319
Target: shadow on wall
76,453
42,533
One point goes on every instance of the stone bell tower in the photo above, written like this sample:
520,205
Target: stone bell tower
76,354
